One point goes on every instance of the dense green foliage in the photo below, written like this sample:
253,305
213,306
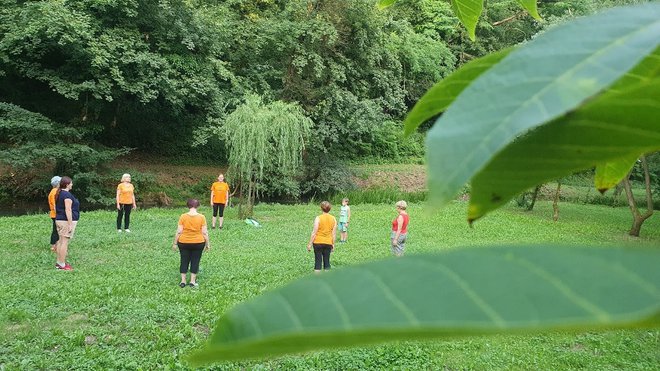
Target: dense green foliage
30,142
151,75
121,306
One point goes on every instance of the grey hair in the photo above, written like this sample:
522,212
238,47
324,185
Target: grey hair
402,204
55,181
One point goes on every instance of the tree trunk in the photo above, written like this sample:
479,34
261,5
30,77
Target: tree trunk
246,207
555,203
638,218
530,207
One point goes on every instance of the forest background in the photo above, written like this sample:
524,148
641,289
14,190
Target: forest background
85,84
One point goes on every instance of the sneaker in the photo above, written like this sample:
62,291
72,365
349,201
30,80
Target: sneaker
127,230
182,284
118,230
66,267
194,285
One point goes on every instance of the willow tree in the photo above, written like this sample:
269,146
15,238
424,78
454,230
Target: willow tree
263,139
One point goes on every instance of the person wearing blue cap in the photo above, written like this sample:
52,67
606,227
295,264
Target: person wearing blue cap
54,236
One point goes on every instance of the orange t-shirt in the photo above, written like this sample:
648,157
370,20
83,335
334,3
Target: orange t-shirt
324,235
51,202
220,190
125,193
192,228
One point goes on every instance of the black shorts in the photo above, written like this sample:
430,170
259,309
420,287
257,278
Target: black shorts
218,209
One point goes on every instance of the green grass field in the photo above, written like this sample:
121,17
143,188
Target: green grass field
122,308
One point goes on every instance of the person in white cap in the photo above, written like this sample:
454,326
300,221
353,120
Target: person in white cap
54,236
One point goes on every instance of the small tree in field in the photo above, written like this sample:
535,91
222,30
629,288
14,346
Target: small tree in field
263,139
638,217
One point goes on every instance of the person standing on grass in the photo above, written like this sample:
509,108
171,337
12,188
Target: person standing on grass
323,238
191,238
399,229
67,213
219,198
344,219
54,237
125,202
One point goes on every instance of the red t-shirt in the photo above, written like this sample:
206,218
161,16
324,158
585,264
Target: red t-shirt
395,223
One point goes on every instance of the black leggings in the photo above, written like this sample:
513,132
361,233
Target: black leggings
218,209
124,211
191,253
54,236
322,254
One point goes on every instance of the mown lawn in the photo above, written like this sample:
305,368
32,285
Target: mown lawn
122,307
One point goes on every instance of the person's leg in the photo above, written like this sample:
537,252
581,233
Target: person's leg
326,256
195,257
54,236
185,261
221,214
127,215
318,258
62,250
215,214
120,215
63,242
402,243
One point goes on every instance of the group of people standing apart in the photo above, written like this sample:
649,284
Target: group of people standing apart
192,237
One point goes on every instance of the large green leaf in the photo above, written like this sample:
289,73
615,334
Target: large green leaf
609,174
459,292
542,80
530,6
442,94
468,12
615,127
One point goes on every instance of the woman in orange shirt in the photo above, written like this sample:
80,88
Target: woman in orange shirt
219,198
191,238
54,236
125,202
323,238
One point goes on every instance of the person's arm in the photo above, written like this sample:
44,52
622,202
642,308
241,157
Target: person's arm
179,230
117,198
69,214
211,203
227,196
334,233
349,215
313,236
205,233
134,204
399,225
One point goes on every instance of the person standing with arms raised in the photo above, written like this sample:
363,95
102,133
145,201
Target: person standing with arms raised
219,198
125,202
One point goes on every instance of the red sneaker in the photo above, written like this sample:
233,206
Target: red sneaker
66,267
